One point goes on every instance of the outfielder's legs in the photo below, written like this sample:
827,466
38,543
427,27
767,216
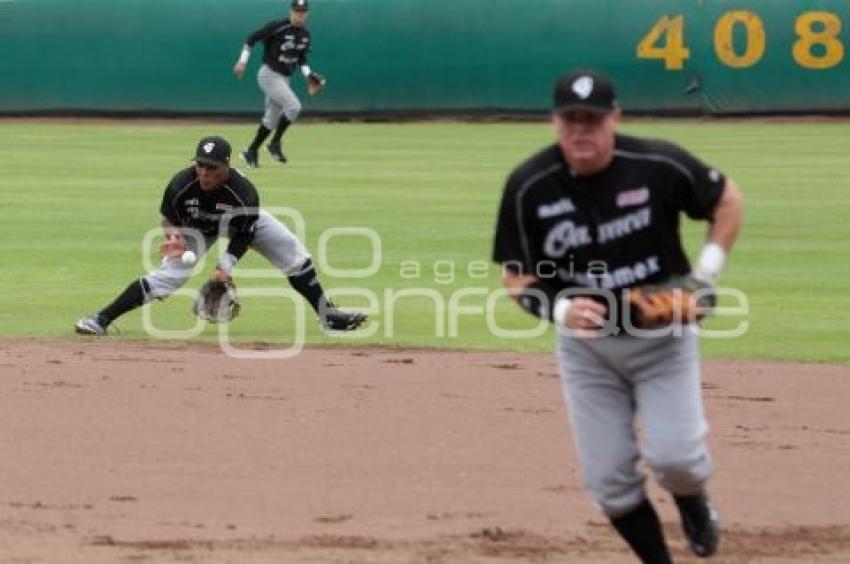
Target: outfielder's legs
282,108
280,99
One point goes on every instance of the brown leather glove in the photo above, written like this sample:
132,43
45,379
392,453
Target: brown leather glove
315,83
217,301
680,300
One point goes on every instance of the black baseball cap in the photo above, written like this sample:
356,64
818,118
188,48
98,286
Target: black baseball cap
584,90
299,5
213,150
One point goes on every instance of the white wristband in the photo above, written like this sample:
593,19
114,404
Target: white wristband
227,262
244,55
710,262
305,70
559,312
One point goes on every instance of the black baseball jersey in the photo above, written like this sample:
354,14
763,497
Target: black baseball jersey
612,230
286,45
185,204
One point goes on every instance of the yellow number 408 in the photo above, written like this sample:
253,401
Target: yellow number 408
817,45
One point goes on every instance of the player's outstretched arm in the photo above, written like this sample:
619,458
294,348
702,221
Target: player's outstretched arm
242,61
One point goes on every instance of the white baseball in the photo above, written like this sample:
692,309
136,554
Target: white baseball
188,258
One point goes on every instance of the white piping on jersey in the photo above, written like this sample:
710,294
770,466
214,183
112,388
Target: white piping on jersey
658,158
176,198
520,194
281,28
229,189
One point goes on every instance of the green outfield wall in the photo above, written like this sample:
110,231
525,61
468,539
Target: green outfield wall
713,56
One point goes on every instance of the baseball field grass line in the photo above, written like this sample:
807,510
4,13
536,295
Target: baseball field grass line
430,192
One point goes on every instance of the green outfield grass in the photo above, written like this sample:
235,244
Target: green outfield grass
79,198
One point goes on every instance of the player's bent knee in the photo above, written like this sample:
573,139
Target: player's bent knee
293,112
615,494
161,286
682,474
269,122
614,504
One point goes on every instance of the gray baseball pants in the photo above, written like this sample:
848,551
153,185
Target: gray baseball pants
608,383
272,239
280,99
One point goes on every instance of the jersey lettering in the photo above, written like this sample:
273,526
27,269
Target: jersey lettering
286,45
625,225
634,197
626,218
621,277
565,236
562,206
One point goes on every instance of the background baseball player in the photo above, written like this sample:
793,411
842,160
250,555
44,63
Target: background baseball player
286,44
581,222
194,203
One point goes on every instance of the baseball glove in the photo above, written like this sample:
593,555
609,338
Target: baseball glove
679,300
217,301
315,83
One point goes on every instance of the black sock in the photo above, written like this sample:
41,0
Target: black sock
642,530
306,283
690,503
696,507
281,128
131,298
262,133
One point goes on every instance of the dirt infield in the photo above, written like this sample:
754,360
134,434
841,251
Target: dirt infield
126,452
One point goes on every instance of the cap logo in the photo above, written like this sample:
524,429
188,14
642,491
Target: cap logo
583,87
208,147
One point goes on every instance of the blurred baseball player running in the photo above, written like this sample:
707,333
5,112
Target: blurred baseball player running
581,222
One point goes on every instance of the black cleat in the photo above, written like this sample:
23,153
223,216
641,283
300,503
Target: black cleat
699,523
338,320
250,158
276,152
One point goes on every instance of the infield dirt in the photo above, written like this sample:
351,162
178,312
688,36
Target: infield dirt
114,451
